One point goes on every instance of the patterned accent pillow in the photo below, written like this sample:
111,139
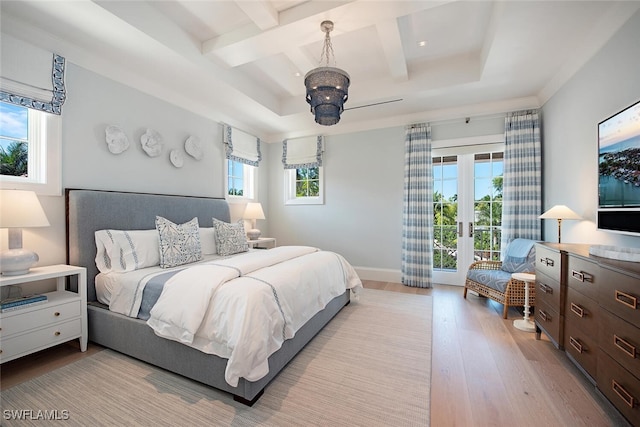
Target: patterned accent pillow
230,238
179,244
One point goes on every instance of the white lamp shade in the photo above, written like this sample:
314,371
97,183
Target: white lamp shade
253,211
560,212
21,209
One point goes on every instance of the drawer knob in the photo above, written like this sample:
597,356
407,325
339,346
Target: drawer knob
575,344
544,316
623,394
546,261
623,345
57,313
626,299
577,310
56,333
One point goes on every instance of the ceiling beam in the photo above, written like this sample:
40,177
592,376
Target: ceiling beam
392,46
261,12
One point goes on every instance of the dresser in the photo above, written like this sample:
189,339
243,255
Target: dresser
62,318
598,312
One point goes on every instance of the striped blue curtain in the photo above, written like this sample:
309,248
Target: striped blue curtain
417,212
522,182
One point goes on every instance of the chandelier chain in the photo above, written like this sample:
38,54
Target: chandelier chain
327,49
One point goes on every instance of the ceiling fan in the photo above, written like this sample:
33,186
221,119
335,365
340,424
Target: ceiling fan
374,104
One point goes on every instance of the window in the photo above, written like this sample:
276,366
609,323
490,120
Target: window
240,181
303,186
29,150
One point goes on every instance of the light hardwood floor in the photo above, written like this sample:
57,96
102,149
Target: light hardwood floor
484,371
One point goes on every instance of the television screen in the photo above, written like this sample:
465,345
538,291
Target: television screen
619,160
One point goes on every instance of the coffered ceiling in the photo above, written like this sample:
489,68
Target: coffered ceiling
243,62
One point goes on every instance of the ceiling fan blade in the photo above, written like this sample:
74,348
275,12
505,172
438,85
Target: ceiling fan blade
373,104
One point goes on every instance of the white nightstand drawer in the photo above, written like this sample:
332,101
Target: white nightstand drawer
46,314
40,339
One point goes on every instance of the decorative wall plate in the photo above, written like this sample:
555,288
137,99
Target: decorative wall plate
193,147
176,158
117,140
151,143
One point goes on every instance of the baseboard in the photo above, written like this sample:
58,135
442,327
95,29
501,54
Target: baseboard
379,274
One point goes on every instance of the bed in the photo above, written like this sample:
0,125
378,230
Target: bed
90,211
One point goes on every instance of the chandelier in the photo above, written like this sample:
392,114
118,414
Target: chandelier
327,87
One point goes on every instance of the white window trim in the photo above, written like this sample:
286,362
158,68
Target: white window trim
45,157
290,197
250,180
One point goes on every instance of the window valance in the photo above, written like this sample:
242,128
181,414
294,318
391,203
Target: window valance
241,146
302,152
31,77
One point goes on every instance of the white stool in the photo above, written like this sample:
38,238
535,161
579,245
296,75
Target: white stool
525,324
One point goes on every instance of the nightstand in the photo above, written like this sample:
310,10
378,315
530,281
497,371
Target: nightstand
62,318
262,243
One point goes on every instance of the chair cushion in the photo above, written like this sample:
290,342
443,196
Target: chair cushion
520,256
495,279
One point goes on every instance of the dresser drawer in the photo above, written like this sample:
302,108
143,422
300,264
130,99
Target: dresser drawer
39,339
620,387
550,322
621,341
582,346
15,322
548,290
583,275
620,294
583,311
548,262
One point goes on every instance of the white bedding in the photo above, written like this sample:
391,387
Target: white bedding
243,307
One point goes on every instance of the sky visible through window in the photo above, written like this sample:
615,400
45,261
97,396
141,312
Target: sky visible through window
13,123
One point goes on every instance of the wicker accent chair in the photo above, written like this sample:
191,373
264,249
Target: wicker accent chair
492,279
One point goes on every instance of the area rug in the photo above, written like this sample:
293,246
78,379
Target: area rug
370,366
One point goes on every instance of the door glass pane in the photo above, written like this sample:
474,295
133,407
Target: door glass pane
488,170
445,213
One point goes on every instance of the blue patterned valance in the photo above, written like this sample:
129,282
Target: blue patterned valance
302,152
241,146
31,77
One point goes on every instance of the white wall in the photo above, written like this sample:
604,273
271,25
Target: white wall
608,83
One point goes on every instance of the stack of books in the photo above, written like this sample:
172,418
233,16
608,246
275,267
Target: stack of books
21,302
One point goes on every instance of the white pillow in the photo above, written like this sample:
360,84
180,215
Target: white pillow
179,243
208,240
230,238
126,250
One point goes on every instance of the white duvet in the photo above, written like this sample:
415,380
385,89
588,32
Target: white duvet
243,308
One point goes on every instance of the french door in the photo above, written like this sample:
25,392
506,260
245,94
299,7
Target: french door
467,209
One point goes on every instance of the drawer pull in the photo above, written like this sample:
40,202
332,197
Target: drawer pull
626,299
581,276
544,316
577,310
623,394
575,344
623,345
546,261
546,288
56,333
57,313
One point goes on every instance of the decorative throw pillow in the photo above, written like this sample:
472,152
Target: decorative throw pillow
208,240
230,238
179,243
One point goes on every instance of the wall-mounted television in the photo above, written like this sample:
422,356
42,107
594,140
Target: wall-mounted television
619,171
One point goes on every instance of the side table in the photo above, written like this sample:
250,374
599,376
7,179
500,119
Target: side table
525,324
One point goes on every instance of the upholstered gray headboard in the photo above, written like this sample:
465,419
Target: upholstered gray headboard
92,210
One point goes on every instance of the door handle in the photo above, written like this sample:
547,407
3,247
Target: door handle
470,229
460,229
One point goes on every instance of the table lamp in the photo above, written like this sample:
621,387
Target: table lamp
19,209
559,212
253,211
